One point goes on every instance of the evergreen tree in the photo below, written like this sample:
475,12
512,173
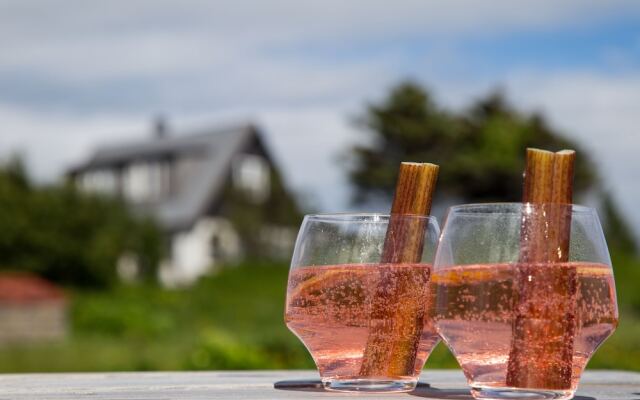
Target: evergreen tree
481,151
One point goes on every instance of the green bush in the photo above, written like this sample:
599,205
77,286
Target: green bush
233,320
69,236
219,350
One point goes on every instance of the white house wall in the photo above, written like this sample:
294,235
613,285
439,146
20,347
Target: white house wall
193,253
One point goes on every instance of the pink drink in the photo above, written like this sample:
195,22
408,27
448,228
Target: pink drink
476,307
330,309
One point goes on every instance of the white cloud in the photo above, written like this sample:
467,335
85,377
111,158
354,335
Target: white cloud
73,41
330,19
85,59
53,142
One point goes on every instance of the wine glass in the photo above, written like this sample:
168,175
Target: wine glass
521,326
361,313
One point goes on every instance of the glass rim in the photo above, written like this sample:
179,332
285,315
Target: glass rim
364,217
510,207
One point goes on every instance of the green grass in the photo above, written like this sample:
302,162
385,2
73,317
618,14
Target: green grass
622,349
233,320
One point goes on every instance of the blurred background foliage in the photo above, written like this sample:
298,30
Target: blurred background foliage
481,150
67,236
234,319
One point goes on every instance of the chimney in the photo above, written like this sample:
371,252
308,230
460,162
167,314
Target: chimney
160,129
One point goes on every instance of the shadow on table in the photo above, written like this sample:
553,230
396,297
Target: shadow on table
315,385
458,394
300,385
435,393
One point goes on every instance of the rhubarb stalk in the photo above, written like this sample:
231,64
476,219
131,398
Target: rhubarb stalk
543,330
396,321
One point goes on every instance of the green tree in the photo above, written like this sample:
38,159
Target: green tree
68,236
481,151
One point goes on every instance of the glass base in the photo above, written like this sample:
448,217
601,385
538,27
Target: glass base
515,393
370,385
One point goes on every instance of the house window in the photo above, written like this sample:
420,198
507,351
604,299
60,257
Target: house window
137,182
252,175
147,181
99,181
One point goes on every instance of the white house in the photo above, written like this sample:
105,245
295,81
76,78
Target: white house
183,181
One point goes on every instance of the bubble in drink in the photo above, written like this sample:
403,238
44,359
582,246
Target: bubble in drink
330,309
476,310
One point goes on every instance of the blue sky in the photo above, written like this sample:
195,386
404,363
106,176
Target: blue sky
74,74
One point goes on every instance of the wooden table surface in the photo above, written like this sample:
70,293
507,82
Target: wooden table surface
445,384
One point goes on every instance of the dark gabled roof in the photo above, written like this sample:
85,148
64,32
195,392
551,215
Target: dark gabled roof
217,148
122,153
